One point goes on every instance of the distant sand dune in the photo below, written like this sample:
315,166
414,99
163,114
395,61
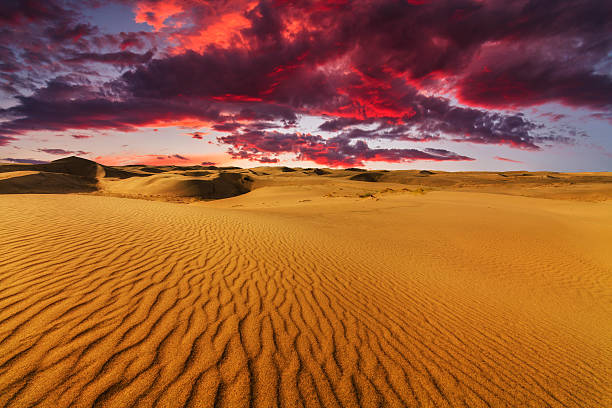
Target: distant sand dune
40,182
285,297
189,183
203,186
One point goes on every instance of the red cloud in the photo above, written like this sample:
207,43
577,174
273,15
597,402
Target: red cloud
4,140
156,13
506,159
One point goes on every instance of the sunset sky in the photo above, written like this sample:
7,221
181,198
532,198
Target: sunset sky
390,84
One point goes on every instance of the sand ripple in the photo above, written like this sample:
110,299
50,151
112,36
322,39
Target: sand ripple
110,302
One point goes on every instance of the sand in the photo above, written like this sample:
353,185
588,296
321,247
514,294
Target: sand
310,290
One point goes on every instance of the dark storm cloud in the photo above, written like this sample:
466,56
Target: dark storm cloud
25,11
100,113
334,125
228,75
525,83
62,32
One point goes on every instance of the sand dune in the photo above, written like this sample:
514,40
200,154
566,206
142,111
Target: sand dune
310,290
186,183
75,166
211,185
74,174
39,182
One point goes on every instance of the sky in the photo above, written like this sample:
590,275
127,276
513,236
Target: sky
457,85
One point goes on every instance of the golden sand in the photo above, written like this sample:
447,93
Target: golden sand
311,290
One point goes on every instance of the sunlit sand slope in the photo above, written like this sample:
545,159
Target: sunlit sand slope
443,299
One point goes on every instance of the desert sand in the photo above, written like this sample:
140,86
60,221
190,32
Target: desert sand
221,287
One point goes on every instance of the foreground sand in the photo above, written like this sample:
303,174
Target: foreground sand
309,296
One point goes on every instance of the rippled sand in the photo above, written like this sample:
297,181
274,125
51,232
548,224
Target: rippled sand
304,297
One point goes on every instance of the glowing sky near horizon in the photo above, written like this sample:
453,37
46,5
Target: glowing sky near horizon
447,85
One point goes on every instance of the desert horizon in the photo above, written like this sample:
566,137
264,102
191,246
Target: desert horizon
172,286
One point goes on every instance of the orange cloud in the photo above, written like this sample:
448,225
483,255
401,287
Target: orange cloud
155,14
225,32
184,123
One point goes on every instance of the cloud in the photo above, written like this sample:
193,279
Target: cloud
232,75
409,71
291,52
198,135
432,118
97,112
62,152
115,58
334,125
5,140
23,161
79,136
19,12
506,159
264,159
520,80
336,152
62,32
227,127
